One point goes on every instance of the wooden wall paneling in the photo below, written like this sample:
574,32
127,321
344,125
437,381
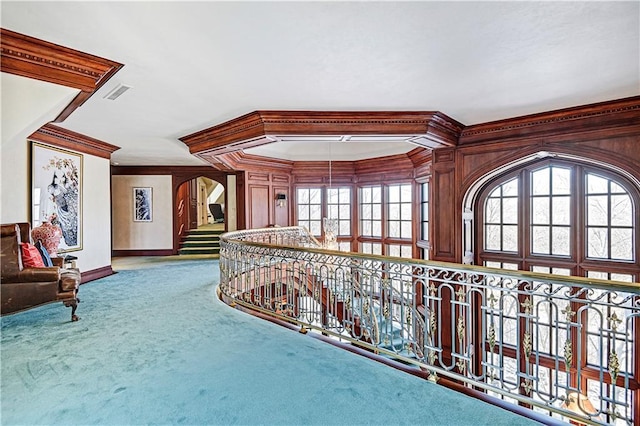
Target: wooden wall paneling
479,160
281,214
182,212
259,206
443,207
241,197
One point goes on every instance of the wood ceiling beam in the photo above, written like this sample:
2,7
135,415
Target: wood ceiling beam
41,60
63,138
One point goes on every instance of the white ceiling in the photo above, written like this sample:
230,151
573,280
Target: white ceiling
193,65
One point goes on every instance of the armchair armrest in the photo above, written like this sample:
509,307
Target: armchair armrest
30,275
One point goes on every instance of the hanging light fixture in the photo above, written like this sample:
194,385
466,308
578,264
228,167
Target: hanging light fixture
330,224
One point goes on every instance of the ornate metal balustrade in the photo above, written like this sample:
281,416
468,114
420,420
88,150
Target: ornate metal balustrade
564,346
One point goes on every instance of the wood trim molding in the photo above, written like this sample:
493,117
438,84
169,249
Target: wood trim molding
41,60
425,128
156,252
239,160
619,117
95,274
63,138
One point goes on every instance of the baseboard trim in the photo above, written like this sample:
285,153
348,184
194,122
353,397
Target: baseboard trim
94,274
161,252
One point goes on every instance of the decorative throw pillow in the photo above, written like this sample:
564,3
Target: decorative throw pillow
46,259
31,256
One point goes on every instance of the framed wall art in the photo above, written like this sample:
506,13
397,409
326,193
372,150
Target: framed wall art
142,205
56,192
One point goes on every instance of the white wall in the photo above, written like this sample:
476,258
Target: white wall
27,105
130,235
96,214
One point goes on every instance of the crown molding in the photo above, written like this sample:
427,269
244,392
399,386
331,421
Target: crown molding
427,129
63,138
618,117
41,60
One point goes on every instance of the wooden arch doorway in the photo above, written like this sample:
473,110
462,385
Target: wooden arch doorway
188,200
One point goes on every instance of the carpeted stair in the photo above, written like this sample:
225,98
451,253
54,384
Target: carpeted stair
201,241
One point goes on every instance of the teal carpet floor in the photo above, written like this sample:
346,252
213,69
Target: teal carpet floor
155,346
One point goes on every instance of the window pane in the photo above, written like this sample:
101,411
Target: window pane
366,211
376,194
405,193
617,189
596,184
597,210
303,196
540,182
622,244
492,237
332,210
561,179
510,188
315,211
345,211
425,231
540,240
405,229
345,196
540,210
510,210
561,210
510,238
366,228
394,194
315,228
492,210
561,241
366,195
377,229
376,214
405,211
345,228
621,210
314,196
394,229
303,212
394,212
598,243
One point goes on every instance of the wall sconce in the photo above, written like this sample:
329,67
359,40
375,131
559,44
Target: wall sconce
281,200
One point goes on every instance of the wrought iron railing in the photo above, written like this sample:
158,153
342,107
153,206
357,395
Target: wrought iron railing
565,346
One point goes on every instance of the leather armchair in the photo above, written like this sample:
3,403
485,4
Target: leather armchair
25,288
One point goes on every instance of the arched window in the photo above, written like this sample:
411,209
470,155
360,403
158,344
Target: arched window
564,218
556,216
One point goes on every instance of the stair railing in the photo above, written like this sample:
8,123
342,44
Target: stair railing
565,346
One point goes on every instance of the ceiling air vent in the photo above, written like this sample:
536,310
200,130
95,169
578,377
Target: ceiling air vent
117,91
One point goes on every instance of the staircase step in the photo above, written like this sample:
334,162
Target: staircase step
204,231
199,250
204,243
201,238
201,241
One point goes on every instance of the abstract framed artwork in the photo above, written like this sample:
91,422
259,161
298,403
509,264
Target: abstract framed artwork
142,205
56,192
